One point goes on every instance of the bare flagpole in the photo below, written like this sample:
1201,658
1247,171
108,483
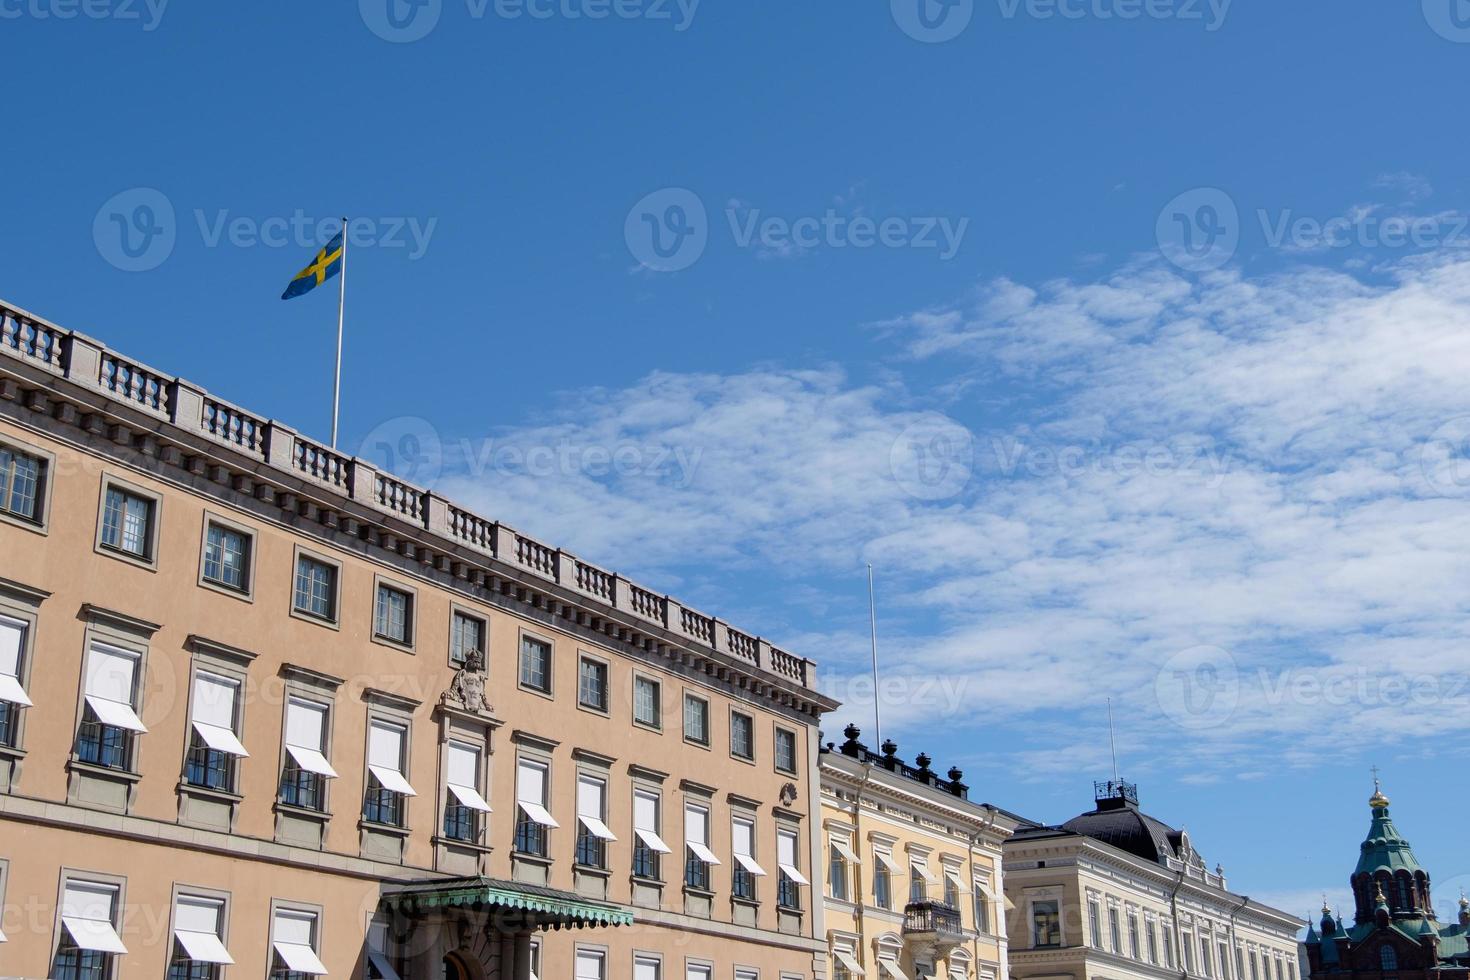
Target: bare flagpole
1112,741
341,306
873,625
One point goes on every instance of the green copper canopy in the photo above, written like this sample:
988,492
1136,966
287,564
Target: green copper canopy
558,908
1385,848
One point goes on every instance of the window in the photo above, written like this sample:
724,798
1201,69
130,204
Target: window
305,768
786,751
380,965
227,557
293,946
591,964
1168,947
845,962
648,846
393,615
466,636
1115,940
536,664
883,871
199,949
592,830
1278,970
214,745
1186,946
127,523
1046,923
109,718
742,735
1153,943
696,840
316,588
592,684
89,936
1094,923
1205,966
696,719
13,697
1255,965
533,820
746,870
22,482
788,893
952,888
387,787
647,967
1224,962
920,878
464,803
647,701
1133,947
836,873
982,907
698,971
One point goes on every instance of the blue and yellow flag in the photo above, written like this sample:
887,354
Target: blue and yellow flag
328,263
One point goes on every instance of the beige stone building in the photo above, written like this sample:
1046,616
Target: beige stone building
1115,894
914,883
265,711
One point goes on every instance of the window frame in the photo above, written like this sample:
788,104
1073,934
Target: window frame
41,525
587,843
604,709
701,883
118,883
318,914
749,719
456,612
149,559
246,593
549,690
641,677
213,668
478,822
408,644
381,714
332,621
542,761
655,858
199,894
127,642
778,730
312,689
684,719
23,605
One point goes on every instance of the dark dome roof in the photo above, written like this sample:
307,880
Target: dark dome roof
1121,824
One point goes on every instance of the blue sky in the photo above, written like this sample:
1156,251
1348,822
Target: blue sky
1126,339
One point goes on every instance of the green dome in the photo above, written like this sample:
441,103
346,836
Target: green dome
1385,849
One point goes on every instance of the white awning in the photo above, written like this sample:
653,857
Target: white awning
300,959
591,804
850,962
748,863
196,927
382,966
221,739
312,761
203,947
2,937
702,852
886,859
595,826
654,841
377,949
922,867
392,779
786,856
93,934
989,891
953,874
537,813
848,854
116,714
464,776
742,833
385,756
470,797
891,967
10,690
796,876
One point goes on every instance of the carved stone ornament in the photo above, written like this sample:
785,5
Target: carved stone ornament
467,690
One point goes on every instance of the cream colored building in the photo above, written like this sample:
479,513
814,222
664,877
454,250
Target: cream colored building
245,732
1115,894
914,883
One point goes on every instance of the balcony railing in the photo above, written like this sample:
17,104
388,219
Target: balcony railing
931,917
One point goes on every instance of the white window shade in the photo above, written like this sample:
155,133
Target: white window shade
377,951
12,637
696,834
786,856
109,686
531,793
645,969
886,859
921,865
645,821
196,927
953,874
215,699
849,962
890,966
464,776
385,757
743,838
848,854
86,912
591,805
589,965
291,937
306,724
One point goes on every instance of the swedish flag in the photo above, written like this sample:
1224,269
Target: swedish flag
328,263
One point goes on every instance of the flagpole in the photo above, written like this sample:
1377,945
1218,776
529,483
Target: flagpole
341,306
873,626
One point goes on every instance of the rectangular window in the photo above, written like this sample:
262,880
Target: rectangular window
316,588
952,888
648,847
1094,923
227,557
592,684
1153,944
647,698
1224,961
464,803
982,907
647,968
836,873
1204,956
785,751
1168,947
884,869
1133,949
1115,940
393,615
698,856
89,938
696,719
466,636
536,664
533,820
788,886
293,946
742,735
214,745
305,768
592,830
127,523
387,786
22,480
591,964
1186,946
698,971
746,870
199,949
12,695
110,719
1046,923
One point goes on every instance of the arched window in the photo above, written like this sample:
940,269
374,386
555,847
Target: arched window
1387,958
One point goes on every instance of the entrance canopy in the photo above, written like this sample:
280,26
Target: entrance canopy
536,906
